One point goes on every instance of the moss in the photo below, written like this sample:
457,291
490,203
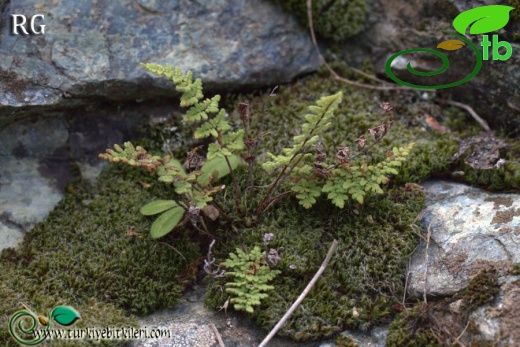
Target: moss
411,328
82,256
371,254
482,289
94,314
357,113
367,267
345,341
515,14
506,177
360,110
337,19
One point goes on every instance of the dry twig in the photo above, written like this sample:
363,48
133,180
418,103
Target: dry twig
471,111
426,263
217,334
334,73
302,295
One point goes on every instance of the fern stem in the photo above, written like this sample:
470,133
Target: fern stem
276,199
278,180
238,195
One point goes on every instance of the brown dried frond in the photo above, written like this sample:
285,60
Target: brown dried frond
386,106
361,142
243,110
343,155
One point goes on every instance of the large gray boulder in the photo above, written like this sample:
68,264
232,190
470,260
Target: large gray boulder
473,233
92,49
395,25
471,230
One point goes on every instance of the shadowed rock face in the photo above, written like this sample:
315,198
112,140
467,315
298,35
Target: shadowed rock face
92,49
396,25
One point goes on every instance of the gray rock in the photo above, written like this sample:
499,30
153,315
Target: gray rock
470,230
39,157
189,325
396,25
499,321
92,49
376,337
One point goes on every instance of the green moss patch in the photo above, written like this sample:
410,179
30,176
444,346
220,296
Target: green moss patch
482,289
94,252
333,19
367,268
412,328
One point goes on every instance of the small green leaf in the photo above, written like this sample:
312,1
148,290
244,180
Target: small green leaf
483,19
177,164
65,315
219,165
157,206
166,222
166,179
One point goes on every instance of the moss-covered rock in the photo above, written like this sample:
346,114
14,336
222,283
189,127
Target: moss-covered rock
333,19
482,289
94,253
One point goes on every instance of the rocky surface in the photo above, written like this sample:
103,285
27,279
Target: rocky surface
499,320
92,49
39,157
472,231
396,25
189,322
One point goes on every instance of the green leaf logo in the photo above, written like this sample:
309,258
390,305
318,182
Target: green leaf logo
65,315
482,19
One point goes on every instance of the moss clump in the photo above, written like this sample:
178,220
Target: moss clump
86,255
431,155
482,289
412,328
345,341
368,266
94,314
375,238
506,177
515,14
333,19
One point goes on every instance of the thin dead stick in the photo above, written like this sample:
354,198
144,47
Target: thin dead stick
175,249
406,282
457,340
219,338
302,295
471,111
334,73
426,263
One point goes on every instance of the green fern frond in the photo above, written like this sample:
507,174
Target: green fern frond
250,276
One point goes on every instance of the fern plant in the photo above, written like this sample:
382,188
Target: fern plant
304,165
193,184
250,277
